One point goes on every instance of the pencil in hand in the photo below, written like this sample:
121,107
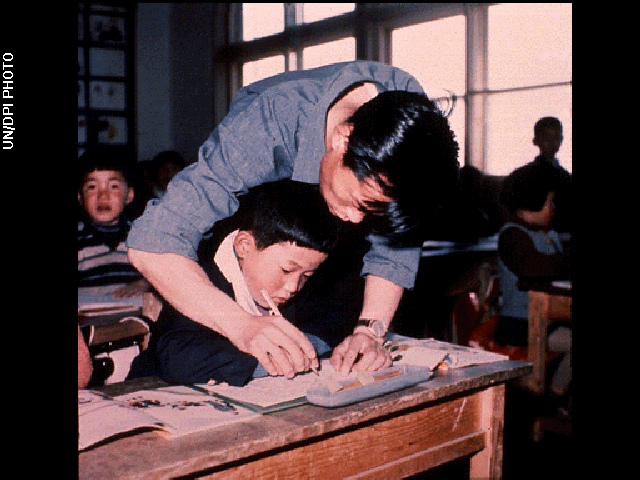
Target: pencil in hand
276,311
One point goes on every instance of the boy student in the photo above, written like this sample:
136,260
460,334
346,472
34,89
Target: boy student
104,190
548,136
284,232
528,248
378,148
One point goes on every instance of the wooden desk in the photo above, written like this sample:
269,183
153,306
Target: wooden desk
453,415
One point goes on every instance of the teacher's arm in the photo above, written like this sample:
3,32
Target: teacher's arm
388,272
277,344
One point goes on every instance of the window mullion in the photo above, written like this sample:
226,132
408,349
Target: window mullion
293,16
476,75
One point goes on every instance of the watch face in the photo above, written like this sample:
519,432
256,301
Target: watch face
378,328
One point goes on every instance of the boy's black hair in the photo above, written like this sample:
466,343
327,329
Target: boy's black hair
546,122
288,211
104,158
526,188
167,156
404,142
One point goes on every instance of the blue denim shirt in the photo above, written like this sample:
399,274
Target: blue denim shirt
275,129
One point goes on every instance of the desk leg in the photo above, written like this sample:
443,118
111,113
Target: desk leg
488,462
539,305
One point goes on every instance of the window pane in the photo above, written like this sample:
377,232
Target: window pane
529,44
263,68
457,122
331,52
312,12
434,53
511,117
261,19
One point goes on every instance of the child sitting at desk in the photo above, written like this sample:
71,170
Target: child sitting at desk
285,231
104,190
529,249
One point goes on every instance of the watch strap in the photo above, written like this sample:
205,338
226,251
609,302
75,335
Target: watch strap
368,323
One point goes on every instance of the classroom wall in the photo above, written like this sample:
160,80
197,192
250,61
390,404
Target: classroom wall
153,80
174,91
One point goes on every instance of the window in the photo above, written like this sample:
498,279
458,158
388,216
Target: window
331,52
529,75
263,68
261,19
272,32
507,64
434,52
312,12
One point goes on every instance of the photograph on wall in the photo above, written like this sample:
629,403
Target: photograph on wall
107,29
107,63
106,95
114,131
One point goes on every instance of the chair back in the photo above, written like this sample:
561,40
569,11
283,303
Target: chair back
476,306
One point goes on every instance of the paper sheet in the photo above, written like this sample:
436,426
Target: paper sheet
429,353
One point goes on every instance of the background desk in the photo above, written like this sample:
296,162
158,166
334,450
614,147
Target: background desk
453,415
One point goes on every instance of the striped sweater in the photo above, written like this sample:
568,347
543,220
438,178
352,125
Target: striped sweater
102,255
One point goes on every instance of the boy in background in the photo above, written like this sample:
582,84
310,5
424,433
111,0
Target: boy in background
548,136
529,248
284,231
104,190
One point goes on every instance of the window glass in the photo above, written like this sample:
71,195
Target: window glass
435,53
342,50
512,116
312,12
529,44
263,68
261,19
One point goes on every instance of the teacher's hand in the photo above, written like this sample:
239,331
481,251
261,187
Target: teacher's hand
360,352
280,347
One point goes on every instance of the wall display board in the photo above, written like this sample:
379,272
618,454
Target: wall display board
105,75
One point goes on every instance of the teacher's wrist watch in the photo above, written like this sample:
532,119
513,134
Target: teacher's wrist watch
374,328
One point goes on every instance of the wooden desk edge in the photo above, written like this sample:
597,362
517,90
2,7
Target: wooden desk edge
205,453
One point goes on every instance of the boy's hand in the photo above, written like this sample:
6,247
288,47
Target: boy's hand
132,289
372,355
279,346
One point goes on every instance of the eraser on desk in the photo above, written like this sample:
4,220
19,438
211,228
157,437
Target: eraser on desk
384,381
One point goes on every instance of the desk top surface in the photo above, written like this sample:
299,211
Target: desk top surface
551,287
135,455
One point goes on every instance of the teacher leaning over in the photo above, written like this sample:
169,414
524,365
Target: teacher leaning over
374,142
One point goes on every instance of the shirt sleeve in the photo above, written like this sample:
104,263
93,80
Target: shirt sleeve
245,150
398,265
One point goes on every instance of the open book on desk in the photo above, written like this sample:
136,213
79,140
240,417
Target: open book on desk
176,413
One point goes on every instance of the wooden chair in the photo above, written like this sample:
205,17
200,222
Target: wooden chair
475,317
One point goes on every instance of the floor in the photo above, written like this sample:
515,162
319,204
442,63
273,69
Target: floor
551,456
548,459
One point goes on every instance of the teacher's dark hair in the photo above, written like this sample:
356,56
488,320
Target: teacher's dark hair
404,142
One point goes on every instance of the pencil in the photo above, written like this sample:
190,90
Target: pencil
272,306
275,311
